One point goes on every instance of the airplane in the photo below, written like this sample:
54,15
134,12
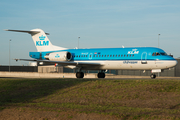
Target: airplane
102,59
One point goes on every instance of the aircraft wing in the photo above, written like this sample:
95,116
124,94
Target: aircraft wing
63,62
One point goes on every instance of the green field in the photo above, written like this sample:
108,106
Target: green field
121,99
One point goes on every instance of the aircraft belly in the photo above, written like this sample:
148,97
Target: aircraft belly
127,64
134,65
122,65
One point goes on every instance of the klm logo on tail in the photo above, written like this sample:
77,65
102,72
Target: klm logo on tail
42,41
42,37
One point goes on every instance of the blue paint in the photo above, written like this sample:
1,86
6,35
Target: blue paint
115,54
35,55
42,37
57,56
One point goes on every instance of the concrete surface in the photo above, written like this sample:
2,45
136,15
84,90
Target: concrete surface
65,75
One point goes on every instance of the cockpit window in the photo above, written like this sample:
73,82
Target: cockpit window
163,53
157,54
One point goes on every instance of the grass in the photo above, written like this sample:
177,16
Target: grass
125,99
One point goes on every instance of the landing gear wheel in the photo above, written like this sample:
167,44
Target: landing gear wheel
79,74
153,76
101,75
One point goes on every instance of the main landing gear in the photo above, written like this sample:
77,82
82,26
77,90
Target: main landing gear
99,75
153,76
79,74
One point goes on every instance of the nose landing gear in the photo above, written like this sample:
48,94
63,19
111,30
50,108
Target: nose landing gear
153,76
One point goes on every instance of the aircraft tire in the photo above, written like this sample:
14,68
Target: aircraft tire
79,74
153,76
101,75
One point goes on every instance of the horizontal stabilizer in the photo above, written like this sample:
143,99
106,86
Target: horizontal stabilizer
30,32
40,40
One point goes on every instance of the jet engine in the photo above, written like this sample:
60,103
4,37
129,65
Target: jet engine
59,56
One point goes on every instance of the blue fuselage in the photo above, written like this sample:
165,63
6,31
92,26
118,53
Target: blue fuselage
115,54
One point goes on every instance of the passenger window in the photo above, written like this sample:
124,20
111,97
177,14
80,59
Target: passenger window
127,55
124,55
121,55
93,55
102,55
96,55
107,55
133,55
99,55
118,55
79,56
110,55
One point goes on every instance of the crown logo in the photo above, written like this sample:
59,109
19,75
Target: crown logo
57,56
42,37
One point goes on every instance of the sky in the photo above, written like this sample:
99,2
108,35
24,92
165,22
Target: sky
98,23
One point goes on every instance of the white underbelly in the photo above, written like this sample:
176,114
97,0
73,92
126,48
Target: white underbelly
130,65
136,65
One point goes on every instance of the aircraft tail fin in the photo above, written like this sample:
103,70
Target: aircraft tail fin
41,40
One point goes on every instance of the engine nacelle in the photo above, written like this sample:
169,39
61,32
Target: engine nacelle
59,56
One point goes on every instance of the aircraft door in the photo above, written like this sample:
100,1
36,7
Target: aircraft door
144,58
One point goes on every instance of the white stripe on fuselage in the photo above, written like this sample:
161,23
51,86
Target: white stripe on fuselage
132,64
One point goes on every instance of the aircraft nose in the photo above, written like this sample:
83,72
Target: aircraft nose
174,63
